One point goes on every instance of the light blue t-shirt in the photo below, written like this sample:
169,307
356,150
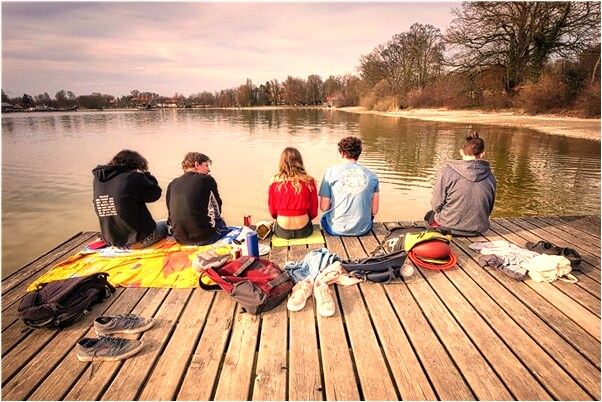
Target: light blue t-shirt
350,187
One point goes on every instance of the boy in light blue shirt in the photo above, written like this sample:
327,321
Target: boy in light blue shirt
349,193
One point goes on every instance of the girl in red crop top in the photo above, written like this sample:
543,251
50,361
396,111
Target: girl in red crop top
292,197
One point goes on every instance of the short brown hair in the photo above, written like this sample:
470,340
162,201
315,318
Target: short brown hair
351,147
191,157
474,145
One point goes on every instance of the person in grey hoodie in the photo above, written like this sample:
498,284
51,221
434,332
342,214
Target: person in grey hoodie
464,193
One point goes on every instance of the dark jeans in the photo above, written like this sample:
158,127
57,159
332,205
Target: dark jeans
159,233
331,232
294,233
221,229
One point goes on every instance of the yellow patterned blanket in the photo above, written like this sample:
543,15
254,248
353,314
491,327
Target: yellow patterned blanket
166,264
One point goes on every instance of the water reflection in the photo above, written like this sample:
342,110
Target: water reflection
47,160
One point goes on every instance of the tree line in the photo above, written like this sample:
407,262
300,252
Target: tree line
536,56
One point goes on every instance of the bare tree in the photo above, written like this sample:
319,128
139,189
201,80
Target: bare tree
409,60
520,37
315,90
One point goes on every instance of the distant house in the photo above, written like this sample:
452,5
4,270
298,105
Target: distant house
7,107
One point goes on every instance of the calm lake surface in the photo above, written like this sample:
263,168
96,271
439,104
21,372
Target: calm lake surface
47,160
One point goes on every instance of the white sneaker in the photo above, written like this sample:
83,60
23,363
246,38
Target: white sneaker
300,294
324,302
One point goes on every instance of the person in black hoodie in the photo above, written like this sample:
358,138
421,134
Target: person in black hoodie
121,190
464,194
194,204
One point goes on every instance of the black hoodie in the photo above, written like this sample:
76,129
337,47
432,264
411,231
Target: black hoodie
120,197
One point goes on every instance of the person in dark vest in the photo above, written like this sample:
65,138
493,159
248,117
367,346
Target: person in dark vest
464,193
121,190
194,204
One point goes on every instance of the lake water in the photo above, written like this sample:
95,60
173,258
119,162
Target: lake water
47,160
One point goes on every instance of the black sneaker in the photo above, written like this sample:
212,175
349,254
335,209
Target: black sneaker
544,247
122,324
106,348
573,256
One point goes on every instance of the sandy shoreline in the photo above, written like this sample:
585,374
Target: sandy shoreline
557,125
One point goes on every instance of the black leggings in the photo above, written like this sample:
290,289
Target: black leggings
293,233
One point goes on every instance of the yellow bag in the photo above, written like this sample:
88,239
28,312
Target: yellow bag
412,239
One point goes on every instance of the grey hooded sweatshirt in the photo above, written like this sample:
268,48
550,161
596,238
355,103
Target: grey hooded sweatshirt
464,195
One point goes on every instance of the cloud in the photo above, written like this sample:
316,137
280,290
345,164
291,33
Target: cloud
189,47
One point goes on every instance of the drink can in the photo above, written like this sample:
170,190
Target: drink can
236,253
247,220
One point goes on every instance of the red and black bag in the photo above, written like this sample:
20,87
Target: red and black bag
257,284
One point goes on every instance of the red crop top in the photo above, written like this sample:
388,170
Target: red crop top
284,201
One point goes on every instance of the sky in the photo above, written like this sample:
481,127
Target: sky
190,47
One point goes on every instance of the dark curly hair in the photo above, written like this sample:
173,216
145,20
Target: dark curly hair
132,160
351,147
474,145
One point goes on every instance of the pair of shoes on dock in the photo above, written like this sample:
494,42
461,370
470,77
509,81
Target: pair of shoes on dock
108,348
320,289
545,247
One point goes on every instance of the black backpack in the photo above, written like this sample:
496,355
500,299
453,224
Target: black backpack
60,303
382,268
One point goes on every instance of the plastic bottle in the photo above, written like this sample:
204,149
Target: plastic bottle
252,244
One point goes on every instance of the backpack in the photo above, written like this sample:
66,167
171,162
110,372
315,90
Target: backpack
257,284
60,303
382,268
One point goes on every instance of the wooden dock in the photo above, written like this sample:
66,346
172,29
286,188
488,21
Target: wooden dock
465,334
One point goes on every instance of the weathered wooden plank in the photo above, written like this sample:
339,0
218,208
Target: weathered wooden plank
70,370
566,231
445,376
304,380
589,224
340,382
409,376
200,379
465,349
370,364
539,348
68,247
132,375
529,310
34,359
271,371
578,313
164,380
270,376
235,379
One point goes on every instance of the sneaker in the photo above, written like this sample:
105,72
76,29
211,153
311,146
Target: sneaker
544,247
300,294
324,302
122,324
106,348
331,273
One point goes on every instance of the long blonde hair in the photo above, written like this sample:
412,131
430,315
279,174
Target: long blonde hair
291,169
